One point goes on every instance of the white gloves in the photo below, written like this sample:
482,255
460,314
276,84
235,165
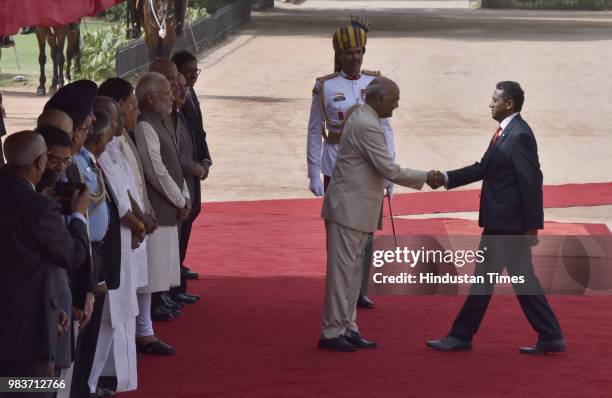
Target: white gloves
390,187
315,186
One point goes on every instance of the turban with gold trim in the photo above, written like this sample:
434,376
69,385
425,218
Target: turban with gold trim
352,36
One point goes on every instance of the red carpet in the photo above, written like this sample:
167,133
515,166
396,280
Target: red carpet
255,332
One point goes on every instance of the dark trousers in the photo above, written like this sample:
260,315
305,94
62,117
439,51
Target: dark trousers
184,231
512,252
88,339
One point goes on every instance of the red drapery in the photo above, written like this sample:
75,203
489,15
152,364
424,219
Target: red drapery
17,13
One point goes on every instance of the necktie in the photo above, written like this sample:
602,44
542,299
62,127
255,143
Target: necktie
496,134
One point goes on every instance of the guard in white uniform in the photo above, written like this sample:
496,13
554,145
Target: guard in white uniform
333,96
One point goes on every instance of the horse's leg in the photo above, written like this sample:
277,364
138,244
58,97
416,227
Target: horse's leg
180,10
71,43
133,19
53,50
77,49
72,52
41,34
60,40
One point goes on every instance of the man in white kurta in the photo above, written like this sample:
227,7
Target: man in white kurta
116,349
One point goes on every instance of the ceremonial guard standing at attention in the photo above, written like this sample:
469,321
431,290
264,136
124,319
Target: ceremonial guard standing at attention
333,97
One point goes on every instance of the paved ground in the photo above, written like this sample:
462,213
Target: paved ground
256,89
446,62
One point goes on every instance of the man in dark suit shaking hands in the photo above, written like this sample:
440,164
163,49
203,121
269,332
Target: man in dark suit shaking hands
511,212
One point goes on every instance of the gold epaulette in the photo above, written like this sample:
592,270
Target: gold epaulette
320,80
371,72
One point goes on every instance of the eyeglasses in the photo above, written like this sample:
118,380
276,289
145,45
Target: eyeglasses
54,160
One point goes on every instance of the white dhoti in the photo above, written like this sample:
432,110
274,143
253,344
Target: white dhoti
163,260
118,325
115,353
139,259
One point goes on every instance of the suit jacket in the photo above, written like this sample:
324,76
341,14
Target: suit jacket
511,193
188,155
33,241
354,196
193,114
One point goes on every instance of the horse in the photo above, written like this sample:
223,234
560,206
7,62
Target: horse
159,22
56,38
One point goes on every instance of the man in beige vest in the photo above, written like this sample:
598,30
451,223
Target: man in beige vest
157,145
352,210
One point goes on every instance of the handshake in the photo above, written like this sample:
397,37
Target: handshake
435,179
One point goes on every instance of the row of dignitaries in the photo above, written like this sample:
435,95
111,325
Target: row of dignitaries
99,192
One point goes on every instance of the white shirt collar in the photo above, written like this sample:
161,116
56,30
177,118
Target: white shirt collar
504,123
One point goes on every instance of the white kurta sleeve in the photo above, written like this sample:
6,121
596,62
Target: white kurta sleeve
314,144
155,171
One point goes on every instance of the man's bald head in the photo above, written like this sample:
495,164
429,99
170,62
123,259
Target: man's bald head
379,86
383,95
57,118
165,67
22,149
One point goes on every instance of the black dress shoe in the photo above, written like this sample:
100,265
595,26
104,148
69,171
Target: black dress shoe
544,347
169,302
365,302
174,311
196,297
355,339
185,298
189,274
155,348
449,343
108,383
336,344
161,314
